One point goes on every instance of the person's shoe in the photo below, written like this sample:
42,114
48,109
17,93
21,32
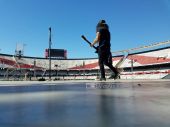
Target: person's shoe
117,76
102,79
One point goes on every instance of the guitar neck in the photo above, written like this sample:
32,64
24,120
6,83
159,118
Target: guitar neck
88,41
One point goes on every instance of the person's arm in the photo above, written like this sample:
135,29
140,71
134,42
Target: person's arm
96,39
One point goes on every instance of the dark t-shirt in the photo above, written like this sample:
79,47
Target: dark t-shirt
104,38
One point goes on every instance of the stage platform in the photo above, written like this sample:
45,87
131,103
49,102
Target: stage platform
114,103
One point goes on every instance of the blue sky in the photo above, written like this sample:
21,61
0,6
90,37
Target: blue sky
132,23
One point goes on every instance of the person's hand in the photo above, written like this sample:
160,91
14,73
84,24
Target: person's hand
91,45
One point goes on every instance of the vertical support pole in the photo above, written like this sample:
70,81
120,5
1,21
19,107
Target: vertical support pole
49,54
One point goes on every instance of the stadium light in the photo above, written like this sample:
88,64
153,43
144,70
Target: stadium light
49,54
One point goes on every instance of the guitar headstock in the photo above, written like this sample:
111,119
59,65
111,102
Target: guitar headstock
82,36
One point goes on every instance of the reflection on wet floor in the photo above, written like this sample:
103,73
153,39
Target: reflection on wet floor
86,105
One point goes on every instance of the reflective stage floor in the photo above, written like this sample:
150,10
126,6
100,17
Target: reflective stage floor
85,104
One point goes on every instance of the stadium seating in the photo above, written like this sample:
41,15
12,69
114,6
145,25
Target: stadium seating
151,64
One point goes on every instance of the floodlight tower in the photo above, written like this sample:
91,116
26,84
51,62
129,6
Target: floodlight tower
49,54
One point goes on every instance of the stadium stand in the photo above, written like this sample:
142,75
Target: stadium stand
150,64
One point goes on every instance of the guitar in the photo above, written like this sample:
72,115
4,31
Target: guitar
84,38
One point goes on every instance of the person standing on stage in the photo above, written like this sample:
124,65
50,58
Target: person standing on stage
104,53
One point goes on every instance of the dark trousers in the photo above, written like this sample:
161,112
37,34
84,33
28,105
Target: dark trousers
105,58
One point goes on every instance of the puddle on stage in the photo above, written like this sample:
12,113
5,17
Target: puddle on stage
86,105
